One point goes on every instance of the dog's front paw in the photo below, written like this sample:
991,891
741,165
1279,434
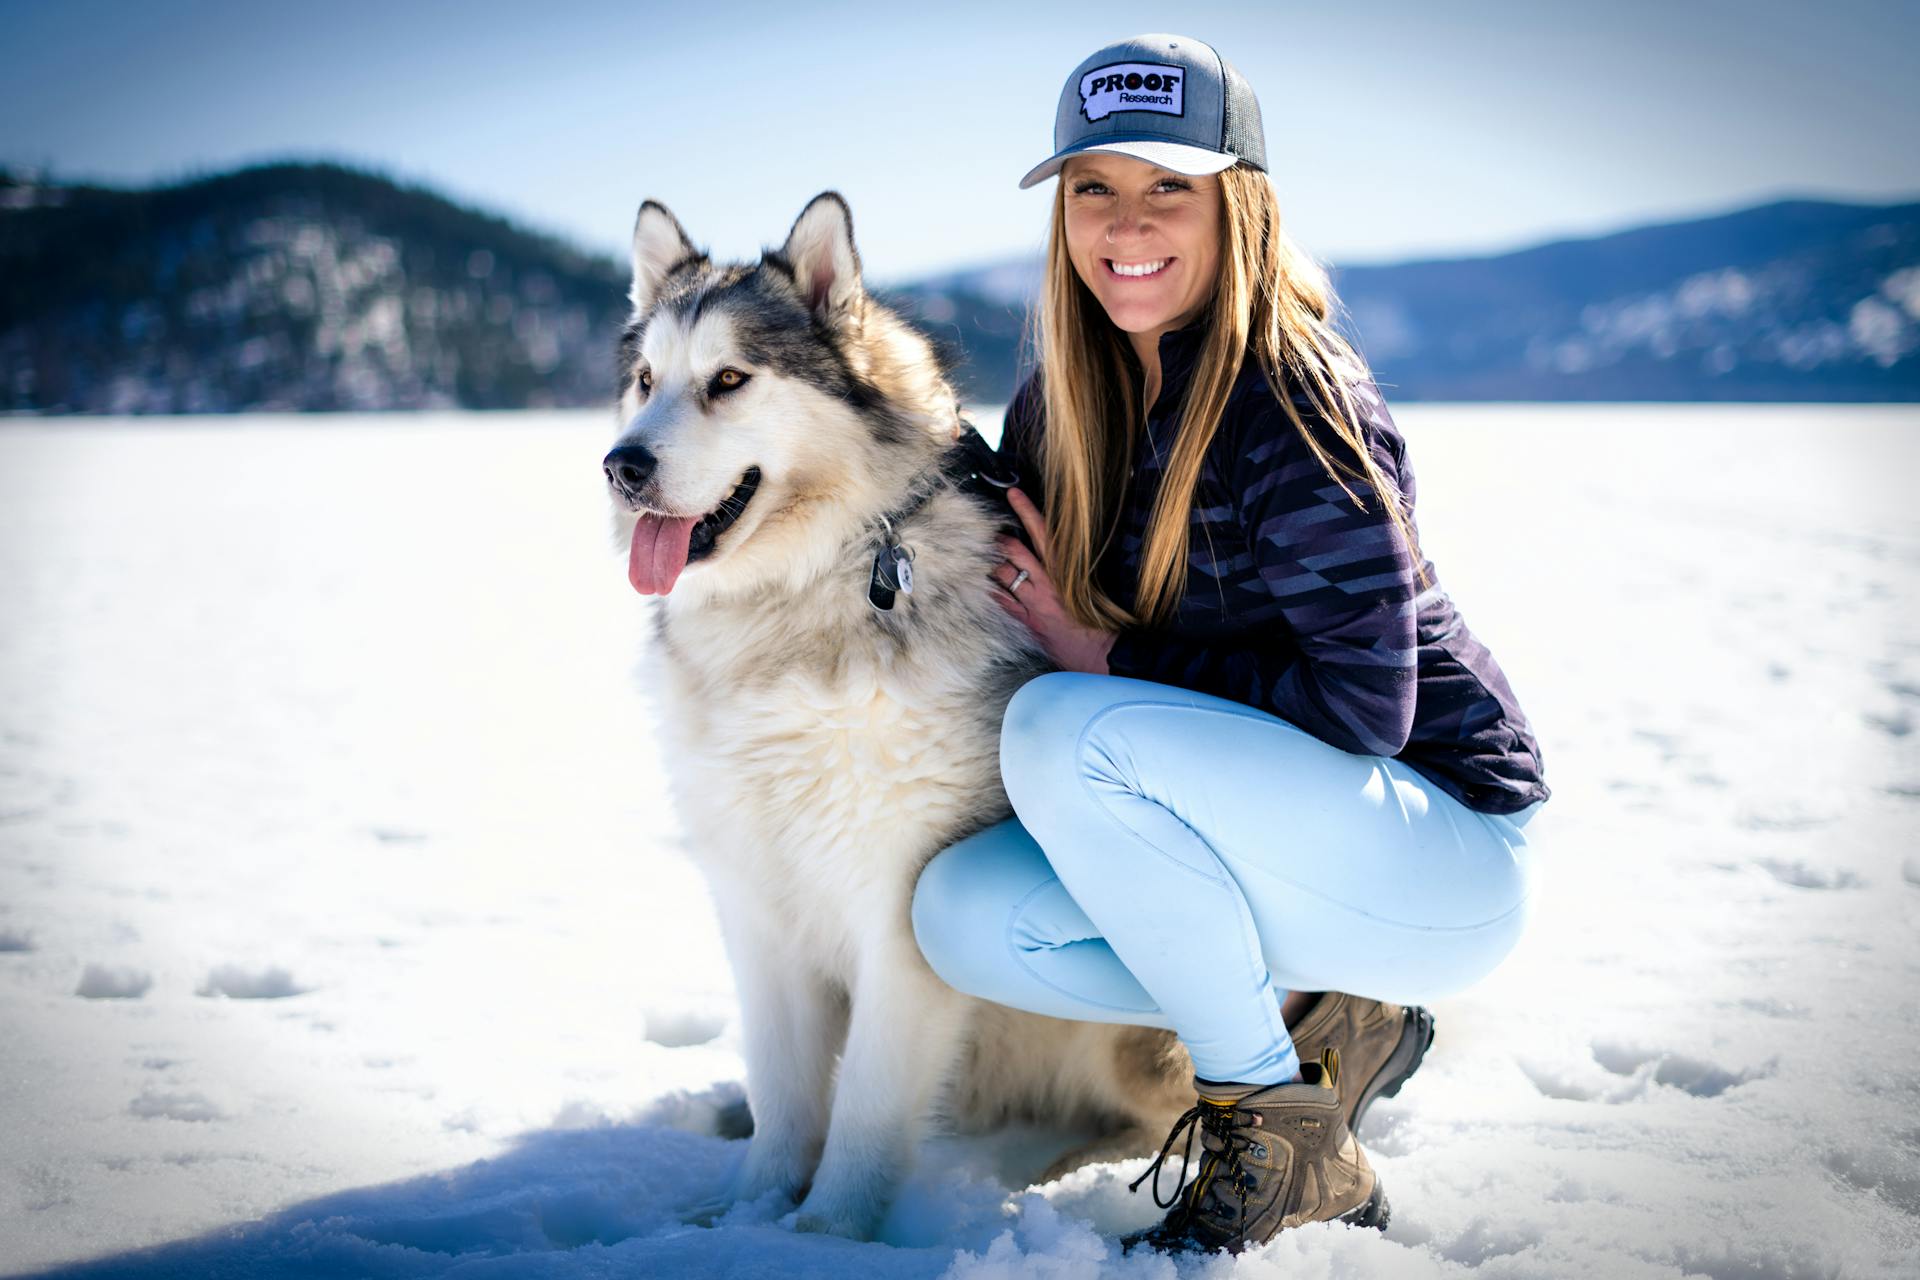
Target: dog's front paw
783,1185
708,1212
822,1224
853,1219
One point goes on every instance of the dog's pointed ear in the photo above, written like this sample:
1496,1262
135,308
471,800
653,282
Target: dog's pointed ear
825,264
659,245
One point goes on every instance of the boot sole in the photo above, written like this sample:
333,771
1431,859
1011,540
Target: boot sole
1374,1213
1416,1037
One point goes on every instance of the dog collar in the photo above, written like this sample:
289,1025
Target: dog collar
971,466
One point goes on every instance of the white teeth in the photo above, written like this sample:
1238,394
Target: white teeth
1142,269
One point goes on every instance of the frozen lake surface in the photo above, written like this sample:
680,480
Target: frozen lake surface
344,929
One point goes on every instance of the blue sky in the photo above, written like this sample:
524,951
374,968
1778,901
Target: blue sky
1395,130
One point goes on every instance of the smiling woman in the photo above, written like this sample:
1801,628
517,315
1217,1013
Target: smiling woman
1274,798
1144,240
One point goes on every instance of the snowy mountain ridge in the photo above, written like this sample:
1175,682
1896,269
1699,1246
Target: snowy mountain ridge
315,287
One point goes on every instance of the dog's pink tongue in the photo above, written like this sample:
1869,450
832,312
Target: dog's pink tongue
659,553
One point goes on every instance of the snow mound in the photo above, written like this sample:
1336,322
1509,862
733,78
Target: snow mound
680,1028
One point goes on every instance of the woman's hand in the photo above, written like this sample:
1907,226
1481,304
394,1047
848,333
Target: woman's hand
1071,646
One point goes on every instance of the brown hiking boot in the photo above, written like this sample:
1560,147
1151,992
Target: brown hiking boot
1380,1045
1277,1155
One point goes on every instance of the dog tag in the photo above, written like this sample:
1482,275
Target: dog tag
880,589
892,573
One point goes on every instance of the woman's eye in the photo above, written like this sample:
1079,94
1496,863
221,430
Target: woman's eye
1090,188
727,380
1173,184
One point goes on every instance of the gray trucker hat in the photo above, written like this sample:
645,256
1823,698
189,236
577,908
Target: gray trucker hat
1169,100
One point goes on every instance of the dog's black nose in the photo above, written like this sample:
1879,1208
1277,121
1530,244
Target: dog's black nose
628,467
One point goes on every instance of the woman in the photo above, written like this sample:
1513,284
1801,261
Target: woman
1275,796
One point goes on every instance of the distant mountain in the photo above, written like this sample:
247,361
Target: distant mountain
292,287
1800,300
316,287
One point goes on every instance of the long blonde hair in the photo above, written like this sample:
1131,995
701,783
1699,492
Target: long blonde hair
1269,297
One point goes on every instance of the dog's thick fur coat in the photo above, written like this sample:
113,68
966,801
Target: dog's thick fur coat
823,751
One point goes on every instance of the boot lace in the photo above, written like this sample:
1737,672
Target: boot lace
1203,1202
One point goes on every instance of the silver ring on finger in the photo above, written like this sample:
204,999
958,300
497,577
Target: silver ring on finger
1018,578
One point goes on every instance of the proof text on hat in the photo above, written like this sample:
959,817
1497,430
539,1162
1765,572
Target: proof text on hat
1133,86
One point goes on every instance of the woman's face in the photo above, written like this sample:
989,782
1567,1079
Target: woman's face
1145,240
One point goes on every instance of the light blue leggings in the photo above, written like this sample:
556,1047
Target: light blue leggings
1180,860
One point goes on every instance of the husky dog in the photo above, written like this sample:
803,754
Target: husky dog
780,429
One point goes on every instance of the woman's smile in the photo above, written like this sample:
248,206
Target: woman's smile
1142,270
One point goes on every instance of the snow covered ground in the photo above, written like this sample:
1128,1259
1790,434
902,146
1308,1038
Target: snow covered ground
344,930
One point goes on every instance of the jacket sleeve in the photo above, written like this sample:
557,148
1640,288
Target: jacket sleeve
1018,431
1341,662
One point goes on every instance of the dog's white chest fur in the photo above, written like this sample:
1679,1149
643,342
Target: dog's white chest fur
863,753
825,787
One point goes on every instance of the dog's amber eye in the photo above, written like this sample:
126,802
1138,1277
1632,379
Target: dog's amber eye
645,379
728,380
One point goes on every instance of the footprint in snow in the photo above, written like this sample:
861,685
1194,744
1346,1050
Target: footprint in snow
1627,1073
157,1104
1897,723
1692,1075
103,982
237,983
1803,876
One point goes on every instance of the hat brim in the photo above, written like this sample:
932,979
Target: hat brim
1176,156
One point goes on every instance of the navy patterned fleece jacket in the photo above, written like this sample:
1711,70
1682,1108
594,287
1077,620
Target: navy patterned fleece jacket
1298,602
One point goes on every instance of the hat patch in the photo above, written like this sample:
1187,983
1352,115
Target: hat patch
1133,86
